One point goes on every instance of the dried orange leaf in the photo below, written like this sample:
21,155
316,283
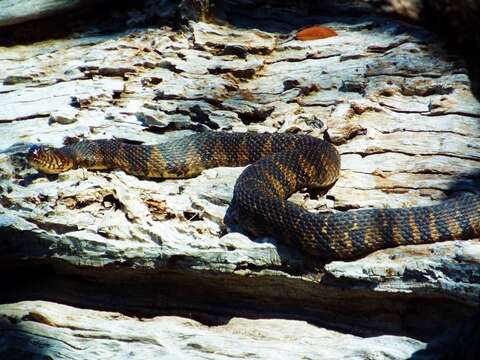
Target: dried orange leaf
315,32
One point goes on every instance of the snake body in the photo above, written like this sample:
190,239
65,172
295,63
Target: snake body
281,165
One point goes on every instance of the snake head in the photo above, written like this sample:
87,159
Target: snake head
49,160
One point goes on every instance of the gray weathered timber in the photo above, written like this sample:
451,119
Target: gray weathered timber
396,104
19,11
49,328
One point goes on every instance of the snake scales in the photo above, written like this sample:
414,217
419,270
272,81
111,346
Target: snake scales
282,164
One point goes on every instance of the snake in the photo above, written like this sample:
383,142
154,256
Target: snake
279,165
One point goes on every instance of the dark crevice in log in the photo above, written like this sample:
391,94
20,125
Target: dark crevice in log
214,297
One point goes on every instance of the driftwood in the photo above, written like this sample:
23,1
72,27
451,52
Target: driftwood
16,12
392,98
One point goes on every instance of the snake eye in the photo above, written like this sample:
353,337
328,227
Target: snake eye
35,153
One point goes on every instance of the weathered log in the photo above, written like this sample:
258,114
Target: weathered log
19,11
395,102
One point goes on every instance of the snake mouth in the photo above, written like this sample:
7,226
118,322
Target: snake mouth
49,160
